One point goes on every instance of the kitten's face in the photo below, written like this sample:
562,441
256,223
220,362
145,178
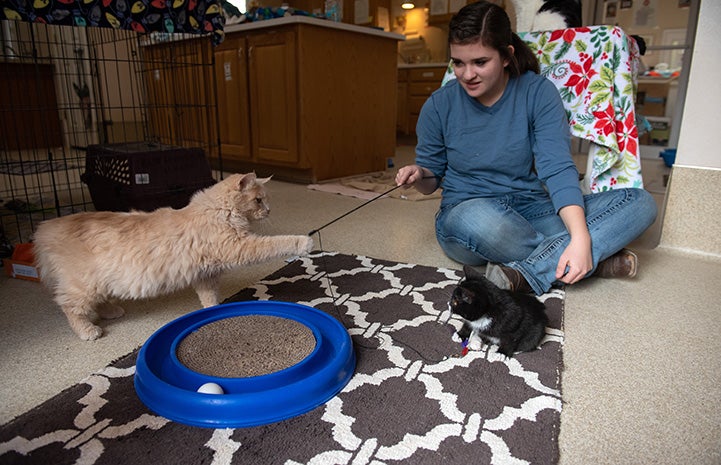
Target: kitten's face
469,301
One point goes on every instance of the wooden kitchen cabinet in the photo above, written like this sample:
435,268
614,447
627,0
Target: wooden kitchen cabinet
299,98
652,96
377,9
28,104
273,61
231,75
305,99
255,80
440,12
402,118
420,81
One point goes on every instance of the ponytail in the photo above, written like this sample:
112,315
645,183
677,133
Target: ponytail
523,58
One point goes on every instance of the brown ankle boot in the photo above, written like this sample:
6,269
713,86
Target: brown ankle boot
623,264
508,278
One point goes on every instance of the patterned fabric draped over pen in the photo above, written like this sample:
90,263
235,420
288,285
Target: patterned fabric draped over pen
595,70
166,16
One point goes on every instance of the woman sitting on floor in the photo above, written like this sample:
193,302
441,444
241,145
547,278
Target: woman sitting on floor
496,140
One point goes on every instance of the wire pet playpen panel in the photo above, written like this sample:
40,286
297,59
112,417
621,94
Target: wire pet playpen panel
63,89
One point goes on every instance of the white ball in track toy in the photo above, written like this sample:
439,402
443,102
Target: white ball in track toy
211,388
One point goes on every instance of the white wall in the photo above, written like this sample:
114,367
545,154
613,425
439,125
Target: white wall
699,143
692,209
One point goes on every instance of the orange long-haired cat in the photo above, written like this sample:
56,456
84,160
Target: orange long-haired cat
90,260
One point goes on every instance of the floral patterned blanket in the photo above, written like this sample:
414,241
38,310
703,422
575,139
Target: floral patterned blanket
595,69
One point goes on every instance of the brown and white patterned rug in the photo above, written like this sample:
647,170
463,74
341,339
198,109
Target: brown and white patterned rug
413,399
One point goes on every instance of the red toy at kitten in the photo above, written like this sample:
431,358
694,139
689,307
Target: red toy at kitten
89,260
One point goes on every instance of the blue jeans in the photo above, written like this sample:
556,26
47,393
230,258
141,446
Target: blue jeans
526,233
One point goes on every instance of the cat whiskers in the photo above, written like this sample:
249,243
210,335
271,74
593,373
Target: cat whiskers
445,316
265,226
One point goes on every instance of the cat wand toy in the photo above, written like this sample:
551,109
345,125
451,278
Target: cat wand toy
362,205
317,231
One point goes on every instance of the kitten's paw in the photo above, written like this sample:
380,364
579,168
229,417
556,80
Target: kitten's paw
456,338
475,342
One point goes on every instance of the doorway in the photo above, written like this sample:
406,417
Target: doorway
668,28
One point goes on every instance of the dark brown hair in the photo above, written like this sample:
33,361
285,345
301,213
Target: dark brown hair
489,24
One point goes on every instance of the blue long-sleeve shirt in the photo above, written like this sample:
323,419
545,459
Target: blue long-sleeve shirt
481,151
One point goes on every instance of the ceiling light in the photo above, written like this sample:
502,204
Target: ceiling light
407,5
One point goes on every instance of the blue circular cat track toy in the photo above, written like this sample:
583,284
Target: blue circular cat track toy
169,387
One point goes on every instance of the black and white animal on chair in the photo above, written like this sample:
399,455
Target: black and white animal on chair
546,15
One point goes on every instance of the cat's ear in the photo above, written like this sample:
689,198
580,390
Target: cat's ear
246,181
264,180
472,273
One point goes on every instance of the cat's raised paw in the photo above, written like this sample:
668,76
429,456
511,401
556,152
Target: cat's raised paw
305,245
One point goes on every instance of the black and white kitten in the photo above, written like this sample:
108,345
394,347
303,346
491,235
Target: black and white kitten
546,15
514,321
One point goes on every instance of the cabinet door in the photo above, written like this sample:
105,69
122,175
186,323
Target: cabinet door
28,103
441,11
402,118
422,82
274,96
161,114
376,13
192,90
231,77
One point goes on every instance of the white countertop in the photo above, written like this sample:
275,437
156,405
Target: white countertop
249,26
422,65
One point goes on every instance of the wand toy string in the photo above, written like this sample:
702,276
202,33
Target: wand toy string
341,316
335,298
362,205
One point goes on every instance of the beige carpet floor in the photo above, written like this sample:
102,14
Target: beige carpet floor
642,378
